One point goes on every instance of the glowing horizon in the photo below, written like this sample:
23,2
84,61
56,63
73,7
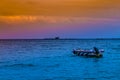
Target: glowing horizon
64,18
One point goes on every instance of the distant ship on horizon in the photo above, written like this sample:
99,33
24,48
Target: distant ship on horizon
55,38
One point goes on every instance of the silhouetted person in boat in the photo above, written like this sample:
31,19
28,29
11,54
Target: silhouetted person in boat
96,50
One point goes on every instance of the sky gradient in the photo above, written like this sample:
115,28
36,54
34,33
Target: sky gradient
64,18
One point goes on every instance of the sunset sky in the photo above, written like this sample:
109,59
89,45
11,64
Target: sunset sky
64,18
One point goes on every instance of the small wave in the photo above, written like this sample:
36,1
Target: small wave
45,57
2,62
20,65
119,45
117,48
89,78
63,78
108,77
55,65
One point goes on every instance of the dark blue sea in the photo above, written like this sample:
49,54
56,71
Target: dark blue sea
54,60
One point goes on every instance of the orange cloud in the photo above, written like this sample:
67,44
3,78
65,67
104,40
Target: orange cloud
79,8
52,19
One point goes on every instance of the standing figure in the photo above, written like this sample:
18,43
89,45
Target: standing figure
96,50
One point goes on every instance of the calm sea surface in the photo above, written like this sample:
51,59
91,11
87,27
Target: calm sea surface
54,60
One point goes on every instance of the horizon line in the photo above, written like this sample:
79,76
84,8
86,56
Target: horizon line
61,39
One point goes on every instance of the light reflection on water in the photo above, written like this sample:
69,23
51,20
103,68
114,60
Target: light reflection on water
53,60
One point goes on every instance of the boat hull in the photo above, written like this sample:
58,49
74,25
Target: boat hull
87,54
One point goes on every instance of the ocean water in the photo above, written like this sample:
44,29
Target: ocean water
54,60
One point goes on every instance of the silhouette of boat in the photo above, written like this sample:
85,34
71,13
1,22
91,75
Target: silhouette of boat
88,53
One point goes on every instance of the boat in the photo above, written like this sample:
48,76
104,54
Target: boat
88,53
